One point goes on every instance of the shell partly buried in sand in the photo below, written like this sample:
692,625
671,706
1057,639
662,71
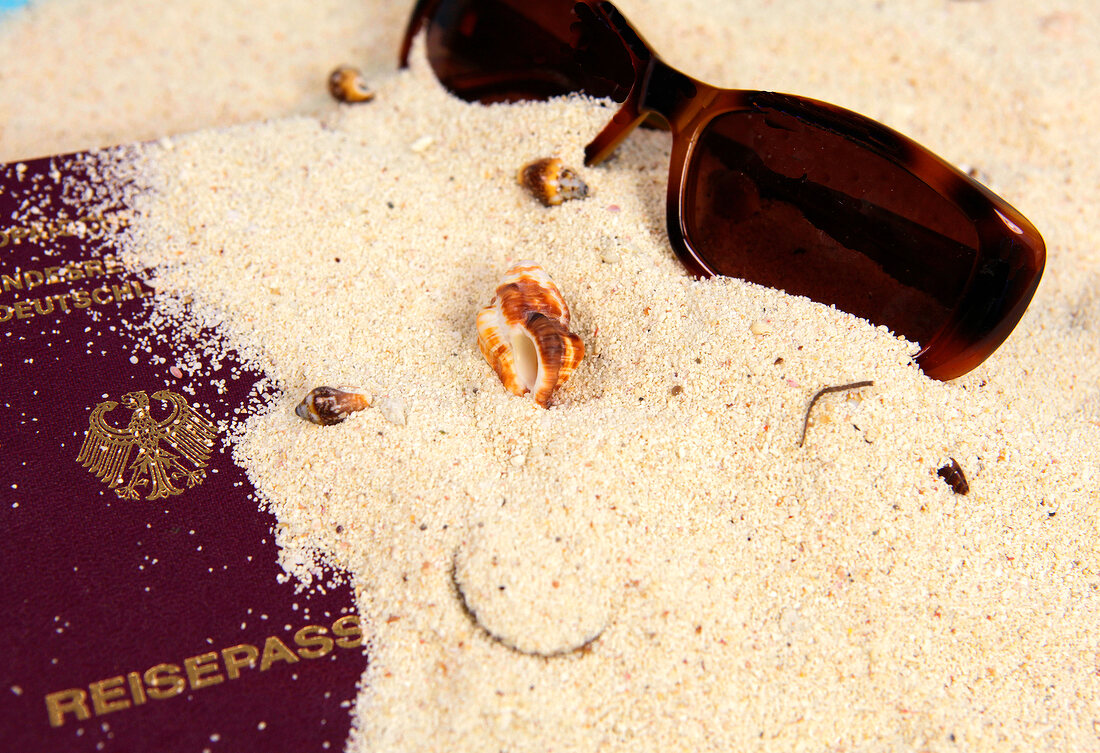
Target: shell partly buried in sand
346,84
524,334
331,405
551,182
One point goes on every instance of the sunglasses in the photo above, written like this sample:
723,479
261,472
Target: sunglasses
783,191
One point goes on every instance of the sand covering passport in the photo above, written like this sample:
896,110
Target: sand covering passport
144,606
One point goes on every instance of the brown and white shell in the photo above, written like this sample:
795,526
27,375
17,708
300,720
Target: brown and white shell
346,84
524,334
331,405
551,182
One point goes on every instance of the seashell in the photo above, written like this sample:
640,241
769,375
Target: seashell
524,334
551,182
952,475
346,84
393,410
331,405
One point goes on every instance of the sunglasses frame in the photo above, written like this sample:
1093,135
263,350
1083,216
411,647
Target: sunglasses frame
1007,267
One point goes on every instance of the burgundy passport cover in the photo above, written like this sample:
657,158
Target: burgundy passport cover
143,607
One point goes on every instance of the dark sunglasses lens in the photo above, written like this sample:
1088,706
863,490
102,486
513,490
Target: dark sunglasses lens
793,204
505,51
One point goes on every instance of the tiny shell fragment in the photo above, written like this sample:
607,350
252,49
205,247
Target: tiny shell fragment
346,84
422,144
393,409
524,334
760,327
953,476
331,405
551,182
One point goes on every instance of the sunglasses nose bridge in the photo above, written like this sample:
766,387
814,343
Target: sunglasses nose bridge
420,14
663,96
673,95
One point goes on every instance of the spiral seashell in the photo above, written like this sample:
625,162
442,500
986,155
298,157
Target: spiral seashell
524,334
331,405
551,182
346,84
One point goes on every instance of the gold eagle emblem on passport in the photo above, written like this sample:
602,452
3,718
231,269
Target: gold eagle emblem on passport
160,455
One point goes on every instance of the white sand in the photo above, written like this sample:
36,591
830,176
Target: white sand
744,593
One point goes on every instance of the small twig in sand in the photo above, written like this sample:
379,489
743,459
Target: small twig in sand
825,391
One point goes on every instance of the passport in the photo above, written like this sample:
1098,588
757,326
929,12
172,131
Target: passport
144,606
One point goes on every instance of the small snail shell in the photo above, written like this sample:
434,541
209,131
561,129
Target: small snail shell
346,84
551,182
524,334
331,405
